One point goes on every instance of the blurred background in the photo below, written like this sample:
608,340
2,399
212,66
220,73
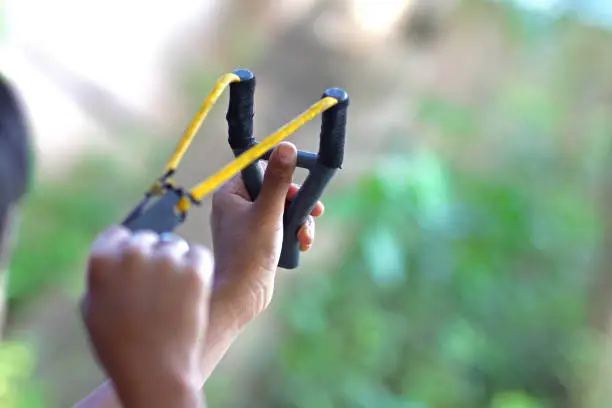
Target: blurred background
463,260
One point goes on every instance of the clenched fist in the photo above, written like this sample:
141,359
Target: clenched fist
146,312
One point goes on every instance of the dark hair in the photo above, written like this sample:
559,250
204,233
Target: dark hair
14,150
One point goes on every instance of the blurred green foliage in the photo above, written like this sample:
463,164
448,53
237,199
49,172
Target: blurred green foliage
459,290
465,277
16,367
61,219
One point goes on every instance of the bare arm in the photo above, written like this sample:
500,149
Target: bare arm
146,311
220,337
180,397
103,397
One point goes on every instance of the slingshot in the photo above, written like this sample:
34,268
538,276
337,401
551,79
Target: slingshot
165,205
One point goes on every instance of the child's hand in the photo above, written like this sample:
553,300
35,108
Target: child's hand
146,311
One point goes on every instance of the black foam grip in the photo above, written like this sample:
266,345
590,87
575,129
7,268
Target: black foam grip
333,130
290,253
252,176
240,111
322,167
299,209
240,127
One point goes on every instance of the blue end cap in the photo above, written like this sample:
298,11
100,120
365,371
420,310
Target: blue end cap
244,74
336,93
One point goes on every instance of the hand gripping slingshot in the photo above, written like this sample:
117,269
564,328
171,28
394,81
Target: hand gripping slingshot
166,204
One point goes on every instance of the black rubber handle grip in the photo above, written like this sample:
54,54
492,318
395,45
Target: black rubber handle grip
333,130
330,158
321,166
299,209
240,110
240,127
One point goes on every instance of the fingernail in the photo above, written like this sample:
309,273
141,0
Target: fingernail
286,153
309,232
305,234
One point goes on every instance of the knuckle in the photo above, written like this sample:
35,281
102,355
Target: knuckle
205,255
199,272
132,252
165,262
195,280
114,232
119,230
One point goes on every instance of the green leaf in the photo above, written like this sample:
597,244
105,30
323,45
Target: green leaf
515,400
384,256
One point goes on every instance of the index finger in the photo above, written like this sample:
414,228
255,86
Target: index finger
236,186
109,240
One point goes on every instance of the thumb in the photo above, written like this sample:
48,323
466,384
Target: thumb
277,180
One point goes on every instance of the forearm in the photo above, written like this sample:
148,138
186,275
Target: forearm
105,396
220,337
162,393
102,397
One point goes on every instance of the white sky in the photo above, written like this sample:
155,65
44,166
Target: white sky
118,44
115,42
